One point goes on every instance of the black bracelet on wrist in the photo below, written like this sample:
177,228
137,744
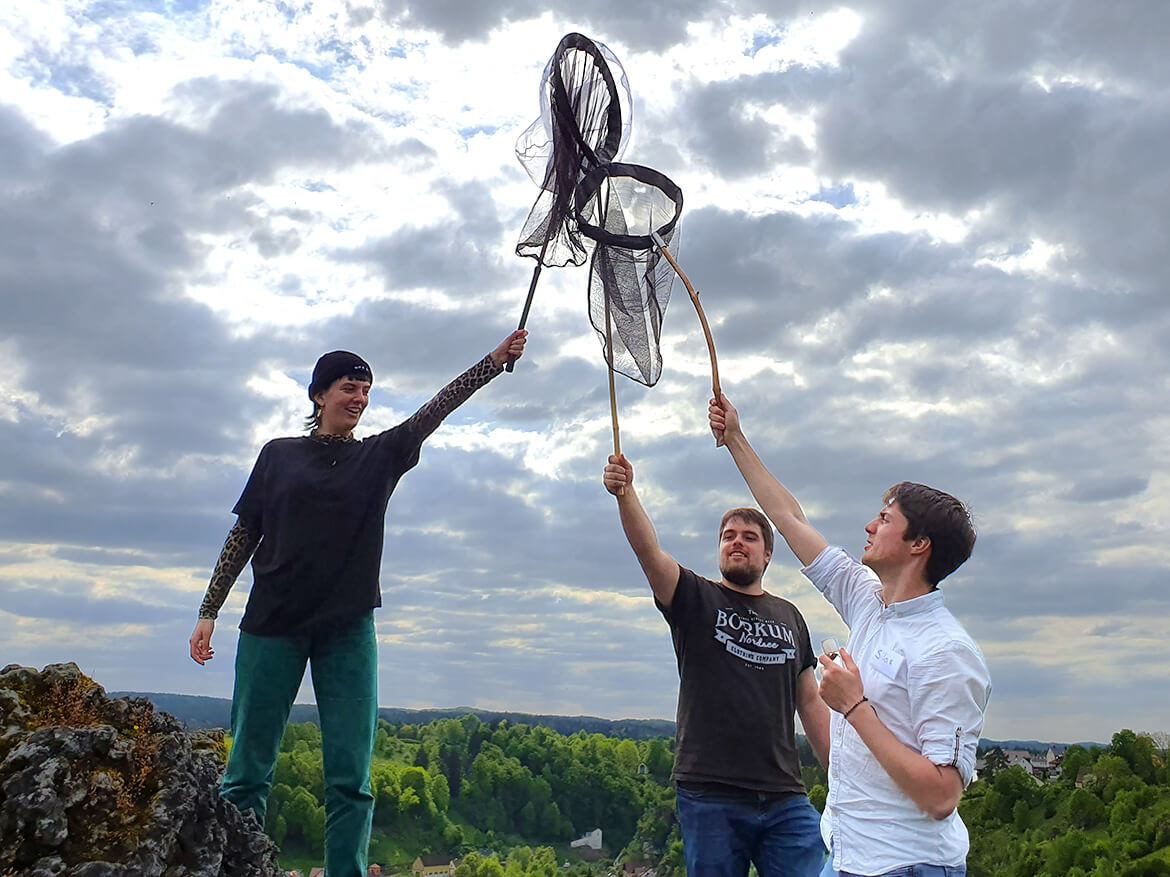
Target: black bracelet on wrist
845,714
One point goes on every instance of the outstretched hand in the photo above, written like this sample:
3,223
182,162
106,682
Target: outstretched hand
511,348
201,650
723,419
618,474
841,686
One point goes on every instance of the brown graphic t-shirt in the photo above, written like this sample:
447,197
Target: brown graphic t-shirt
738,660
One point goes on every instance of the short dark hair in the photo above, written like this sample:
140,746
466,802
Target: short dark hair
751,516
939,517
313,421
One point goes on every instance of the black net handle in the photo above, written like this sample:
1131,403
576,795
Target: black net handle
592,181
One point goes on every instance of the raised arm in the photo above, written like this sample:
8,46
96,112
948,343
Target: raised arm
660,568
238,549
778,504
427,419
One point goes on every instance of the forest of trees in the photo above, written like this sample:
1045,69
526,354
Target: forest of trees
1116,825
456,786
509,798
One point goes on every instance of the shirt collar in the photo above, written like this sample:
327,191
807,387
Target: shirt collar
916,606
329,439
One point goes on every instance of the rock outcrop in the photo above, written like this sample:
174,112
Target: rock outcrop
94,787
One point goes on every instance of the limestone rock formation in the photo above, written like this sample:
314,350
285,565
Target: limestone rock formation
93,787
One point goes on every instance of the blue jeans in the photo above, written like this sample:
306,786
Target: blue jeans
722,836
905,871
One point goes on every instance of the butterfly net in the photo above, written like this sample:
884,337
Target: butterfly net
586,110
619,207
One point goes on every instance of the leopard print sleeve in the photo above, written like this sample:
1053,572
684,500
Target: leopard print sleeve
427,419
237,551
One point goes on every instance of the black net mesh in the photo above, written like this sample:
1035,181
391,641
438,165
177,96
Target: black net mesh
617,206
588,199
584,123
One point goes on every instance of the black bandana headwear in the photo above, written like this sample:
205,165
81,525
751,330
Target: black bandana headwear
338,364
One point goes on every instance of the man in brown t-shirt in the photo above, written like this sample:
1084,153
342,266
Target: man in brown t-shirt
745,668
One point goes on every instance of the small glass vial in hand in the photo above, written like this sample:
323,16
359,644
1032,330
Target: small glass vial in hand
832,648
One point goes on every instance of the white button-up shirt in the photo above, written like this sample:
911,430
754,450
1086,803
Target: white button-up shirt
929,685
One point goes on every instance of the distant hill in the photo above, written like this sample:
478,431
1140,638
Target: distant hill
986,745
216,712
197,712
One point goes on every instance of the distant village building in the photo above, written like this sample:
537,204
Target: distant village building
1042,768
1039,767
591,840
433,866
588,847
1019,757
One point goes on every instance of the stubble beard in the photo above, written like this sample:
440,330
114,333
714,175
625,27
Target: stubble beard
742,577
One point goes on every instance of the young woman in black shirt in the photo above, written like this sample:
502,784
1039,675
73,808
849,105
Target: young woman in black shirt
311,520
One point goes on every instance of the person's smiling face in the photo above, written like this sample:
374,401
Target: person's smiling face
342,405
742,555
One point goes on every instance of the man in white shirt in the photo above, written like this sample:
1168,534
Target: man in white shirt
908,703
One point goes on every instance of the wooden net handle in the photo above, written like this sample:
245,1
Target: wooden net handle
661,244
613,412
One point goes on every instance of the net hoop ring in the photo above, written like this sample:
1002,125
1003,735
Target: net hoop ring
589,185
613,136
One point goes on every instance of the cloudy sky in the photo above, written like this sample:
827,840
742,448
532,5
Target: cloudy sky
930,237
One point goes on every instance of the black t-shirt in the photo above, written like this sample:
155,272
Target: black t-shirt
738,660
320,509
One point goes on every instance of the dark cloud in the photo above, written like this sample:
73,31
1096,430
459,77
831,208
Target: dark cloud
651,26
69,601
729,137
1099,490
946,110
22,146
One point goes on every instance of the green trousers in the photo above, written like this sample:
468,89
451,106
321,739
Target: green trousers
269,669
